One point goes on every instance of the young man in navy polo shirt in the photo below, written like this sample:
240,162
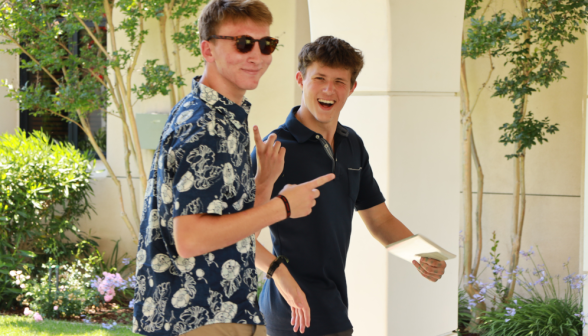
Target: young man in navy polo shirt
196,253
314,278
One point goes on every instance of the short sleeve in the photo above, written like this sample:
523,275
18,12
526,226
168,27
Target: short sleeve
369,192
197,183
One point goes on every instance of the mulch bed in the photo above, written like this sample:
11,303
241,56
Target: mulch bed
104,313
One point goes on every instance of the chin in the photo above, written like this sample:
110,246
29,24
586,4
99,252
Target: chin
249,85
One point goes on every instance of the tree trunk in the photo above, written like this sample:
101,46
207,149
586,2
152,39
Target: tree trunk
163,39
480,176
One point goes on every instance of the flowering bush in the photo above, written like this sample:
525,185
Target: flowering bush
543,309
110,283
63,291
44,191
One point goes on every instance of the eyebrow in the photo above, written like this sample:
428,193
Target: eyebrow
337,78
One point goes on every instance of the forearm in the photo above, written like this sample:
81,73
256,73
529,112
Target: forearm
263,192
263,257
196,235
391,231
383,226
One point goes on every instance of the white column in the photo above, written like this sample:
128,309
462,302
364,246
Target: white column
583,232
406,109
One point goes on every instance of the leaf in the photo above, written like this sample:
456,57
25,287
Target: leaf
28,254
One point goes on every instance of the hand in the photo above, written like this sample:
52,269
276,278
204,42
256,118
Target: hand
295,297
302,197
430,268
270,158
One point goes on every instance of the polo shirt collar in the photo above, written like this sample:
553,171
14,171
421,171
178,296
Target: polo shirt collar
302,133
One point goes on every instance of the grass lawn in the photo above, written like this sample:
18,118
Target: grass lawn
12,325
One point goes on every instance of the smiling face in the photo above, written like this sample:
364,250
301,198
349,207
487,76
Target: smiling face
229,71
324,93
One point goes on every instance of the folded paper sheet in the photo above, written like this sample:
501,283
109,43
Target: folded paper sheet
417,246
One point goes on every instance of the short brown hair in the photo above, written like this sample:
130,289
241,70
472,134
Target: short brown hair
217,12
332,52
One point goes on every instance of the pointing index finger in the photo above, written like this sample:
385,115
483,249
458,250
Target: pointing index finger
319,181
257,137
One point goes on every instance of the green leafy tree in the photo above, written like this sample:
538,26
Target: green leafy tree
180,16
529,42
95,72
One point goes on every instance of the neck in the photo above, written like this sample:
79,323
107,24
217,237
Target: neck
214,80
326,129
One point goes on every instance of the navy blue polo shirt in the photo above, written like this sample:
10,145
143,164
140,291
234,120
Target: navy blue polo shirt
317,245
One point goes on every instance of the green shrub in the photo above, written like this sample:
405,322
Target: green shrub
44,191
554,317
544,309
60,290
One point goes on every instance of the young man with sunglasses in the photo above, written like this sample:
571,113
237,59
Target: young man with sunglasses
313,282
196,255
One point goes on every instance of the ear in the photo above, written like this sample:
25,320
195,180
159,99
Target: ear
206,49
300,80
353,88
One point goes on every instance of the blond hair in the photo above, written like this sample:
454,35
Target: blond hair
217,12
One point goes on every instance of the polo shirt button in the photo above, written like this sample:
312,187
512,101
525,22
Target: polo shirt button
318,136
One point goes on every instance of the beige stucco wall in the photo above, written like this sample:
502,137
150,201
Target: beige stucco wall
8,109
553,170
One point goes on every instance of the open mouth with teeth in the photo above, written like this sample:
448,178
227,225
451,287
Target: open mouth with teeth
326,103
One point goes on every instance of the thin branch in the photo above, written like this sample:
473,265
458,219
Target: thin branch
485,83
96,76
96,41
31,56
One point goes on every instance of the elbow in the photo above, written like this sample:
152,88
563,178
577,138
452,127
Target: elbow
188,244
191,249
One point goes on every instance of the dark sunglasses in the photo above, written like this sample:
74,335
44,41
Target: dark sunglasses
245,43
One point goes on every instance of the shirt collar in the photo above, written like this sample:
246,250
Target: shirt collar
302,133
236,113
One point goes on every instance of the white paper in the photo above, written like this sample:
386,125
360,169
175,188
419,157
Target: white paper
417,246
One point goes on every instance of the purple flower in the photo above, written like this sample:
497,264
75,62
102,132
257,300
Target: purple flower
108,326
126,261
132,303
527,254
510,311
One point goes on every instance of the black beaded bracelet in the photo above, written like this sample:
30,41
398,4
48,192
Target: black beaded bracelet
274,265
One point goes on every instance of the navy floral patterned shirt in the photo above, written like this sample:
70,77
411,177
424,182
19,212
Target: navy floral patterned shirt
202,165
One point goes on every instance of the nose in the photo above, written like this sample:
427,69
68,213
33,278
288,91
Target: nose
255,54
329,87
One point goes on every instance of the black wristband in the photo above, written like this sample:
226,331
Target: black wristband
286,203
274,265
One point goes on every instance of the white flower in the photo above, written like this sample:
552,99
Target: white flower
141,257
160,263
199,273
230,270
181,298
153,220
228,174
244,245
184,116
216,207
149,307
208,95
232,143
186,182
226,313
185,265
166,193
